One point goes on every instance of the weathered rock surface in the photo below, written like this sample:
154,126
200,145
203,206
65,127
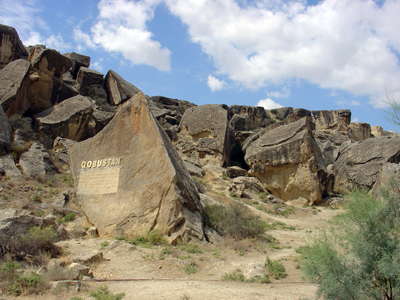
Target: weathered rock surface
193,169
235,171
359,164
387,179
60,153
332,119
36,162
68,119
11,47
14,84
46,82
359,131
118,89
288,161
330,143
8,167
150,189
90,83
5,132
78,60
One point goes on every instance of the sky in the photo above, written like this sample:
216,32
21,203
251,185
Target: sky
327,54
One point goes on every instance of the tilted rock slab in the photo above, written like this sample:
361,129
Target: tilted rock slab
130,180
11,47
332,119
14,84
118,89
359,164
288,161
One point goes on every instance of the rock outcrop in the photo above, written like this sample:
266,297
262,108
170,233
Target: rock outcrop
5,132
359,164
11,47
359,131
130,179
78,61
118,89
288,161
337,120
90,83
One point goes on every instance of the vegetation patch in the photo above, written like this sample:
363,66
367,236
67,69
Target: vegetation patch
191,268
275,269
103,293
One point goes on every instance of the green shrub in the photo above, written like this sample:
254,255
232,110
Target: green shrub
359,258
153,238
275,269
236,275
236,221
102,293
69,217
191,268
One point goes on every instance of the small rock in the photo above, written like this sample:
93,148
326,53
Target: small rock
92,232
234,171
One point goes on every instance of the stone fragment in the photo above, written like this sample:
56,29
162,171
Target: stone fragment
82,252
147,188
8,167
35,162
359,164
288,161
14,84
235,171
359,131
60,153
78,61
11,47
118,89
193,169
68,119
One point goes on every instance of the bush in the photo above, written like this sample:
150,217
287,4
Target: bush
360,257
275,269
236,221
191,268
153,238
236,275
102,293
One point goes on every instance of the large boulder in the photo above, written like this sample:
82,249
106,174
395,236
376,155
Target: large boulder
359,164
90,83
11,47
288,161
287,114
118,89
332,119
68,119
330,143
14,85
46,83
130,180
78,61
359,131
204,130
5,132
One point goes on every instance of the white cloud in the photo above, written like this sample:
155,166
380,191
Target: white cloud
83,39
282,93
347,103
121,27
269,104
347,45
215,84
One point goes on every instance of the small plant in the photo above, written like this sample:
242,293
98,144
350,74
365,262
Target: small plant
102,293
191,248
236,221
191,268
37,198
153,238
104,244
236,275
275,269
69,217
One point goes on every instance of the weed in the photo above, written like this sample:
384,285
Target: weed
69,217
104,244
102,293
275,269
153,238
191,268
236,275
191,248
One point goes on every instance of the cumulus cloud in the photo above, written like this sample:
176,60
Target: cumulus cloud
349,45
269,104
282,93
122,28
215,84
83,39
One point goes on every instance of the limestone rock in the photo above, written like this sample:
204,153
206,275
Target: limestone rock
288,161
35,162
193,169
359,164
330,143
78,61
68,119
332,119
234,171
101,116
148,187
82,252
56,270
287,114
378,131
90,83
14,84
11,47
247,118
118,89
359,131
5,132
8,167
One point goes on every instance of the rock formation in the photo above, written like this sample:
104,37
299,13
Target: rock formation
131,169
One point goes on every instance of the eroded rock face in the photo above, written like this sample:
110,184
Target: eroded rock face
332,119
35,162
388,178
90,83
14,84
118,89
78,60
68,119
5,132
359,131
11,47
8,167
131,170
359,163
288,161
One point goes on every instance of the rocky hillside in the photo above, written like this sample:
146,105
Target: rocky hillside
145,164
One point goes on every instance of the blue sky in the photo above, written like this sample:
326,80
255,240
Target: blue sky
329,54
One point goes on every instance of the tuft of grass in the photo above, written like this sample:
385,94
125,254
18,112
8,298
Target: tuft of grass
153,238
275,269
191,248
69,217
191,268
104,244
103,293
235,221
236,275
